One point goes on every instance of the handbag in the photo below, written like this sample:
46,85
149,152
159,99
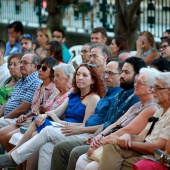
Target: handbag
96,155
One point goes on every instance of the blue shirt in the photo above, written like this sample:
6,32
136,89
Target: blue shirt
23,91
66,54
15,49
102,107
119,106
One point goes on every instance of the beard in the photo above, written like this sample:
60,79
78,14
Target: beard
127,85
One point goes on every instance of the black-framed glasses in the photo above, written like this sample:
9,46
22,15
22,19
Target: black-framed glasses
163,47
162,38
110,73
157,88
44,68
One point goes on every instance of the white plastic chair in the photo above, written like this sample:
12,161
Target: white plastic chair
75,51
133,53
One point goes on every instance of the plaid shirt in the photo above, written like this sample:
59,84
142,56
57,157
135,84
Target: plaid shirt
23,91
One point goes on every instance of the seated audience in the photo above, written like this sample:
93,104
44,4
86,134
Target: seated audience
22,95
145,46
129,149
88,88
63,75
137,115
14,69
66,153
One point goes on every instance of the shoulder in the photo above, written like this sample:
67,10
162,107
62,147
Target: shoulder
93,97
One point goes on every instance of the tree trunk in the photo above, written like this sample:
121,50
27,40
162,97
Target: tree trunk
55,9
127,20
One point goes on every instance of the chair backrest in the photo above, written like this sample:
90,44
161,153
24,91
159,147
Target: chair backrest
75,51
133,53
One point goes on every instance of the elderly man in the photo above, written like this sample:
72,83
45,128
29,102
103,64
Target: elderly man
99,54
22,94
130,148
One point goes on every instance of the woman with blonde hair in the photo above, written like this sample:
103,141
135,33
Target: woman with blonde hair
43,36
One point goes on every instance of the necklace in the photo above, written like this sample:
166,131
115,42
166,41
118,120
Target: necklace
82,97
15,79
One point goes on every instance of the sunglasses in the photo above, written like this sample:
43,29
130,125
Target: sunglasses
28,36
44,68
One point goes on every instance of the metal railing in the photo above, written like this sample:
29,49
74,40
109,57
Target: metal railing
155,16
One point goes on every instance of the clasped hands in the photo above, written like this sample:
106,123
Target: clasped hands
123,141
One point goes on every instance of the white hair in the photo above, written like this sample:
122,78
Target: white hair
67,69
165,77
150,75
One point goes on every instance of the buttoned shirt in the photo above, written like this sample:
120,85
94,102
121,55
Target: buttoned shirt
23,91
119,106
161,128
102,107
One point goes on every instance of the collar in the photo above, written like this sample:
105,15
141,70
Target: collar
31,77
113,89
49,87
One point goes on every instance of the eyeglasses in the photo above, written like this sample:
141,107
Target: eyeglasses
163,47
139,83
25,63
84,51
110,73
157,88
13,64
93,55
44,68
162,38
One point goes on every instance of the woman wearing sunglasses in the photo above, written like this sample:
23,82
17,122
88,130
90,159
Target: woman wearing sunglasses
88,87
47,88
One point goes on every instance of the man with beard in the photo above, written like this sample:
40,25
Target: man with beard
66,153
28,43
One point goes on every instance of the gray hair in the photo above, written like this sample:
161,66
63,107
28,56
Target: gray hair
67,69
150,75
104,49
165,77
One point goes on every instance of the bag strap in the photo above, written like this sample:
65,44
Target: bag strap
153,120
